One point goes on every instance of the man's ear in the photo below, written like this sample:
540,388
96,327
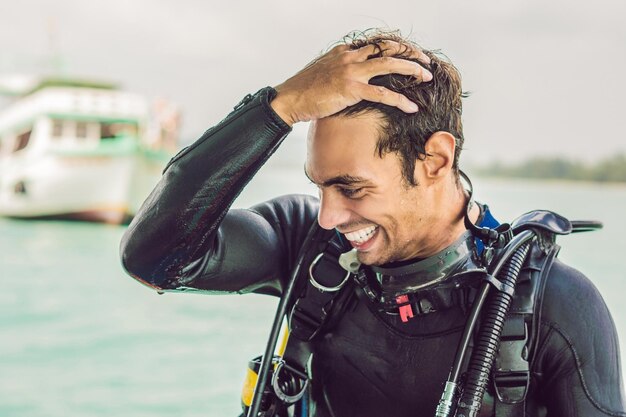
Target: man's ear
440,148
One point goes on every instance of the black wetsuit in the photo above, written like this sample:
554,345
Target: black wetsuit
368,364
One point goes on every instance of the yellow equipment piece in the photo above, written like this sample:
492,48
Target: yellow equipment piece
247,391
248,387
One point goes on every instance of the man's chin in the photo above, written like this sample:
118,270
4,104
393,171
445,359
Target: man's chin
375,251
371,259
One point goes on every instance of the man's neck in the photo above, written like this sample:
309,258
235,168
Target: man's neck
452,226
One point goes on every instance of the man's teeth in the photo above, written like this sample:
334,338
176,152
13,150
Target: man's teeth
362,235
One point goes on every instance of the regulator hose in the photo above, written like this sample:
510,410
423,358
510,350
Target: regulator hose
484,353
267,361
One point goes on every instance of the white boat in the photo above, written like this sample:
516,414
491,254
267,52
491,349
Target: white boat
80,150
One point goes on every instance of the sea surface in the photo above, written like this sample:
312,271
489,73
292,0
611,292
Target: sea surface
80,338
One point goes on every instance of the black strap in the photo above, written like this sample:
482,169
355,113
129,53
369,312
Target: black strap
512,370
310,313
320,270
519,336
311,310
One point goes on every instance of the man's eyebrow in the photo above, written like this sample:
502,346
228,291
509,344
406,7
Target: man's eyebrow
340,179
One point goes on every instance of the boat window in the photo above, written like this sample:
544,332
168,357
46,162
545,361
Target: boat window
22,141
57,128
81,130
117,129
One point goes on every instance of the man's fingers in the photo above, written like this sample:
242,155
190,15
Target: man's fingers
387,65
379,94
340,78
339,48
390,48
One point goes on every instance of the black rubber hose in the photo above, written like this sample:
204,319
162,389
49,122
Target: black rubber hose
457,365
486,348
448,401
585,225
281,311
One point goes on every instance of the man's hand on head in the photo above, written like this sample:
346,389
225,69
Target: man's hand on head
339,79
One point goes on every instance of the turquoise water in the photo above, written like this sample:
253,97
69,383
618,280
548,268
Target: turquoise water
79,338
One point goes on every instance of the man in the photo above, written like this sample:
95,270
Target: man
383,150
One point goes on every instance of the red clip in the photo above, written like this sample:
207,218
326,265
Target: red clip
406,312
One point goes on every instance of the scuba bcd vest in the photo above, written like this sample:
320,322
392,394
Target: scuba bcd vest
513,264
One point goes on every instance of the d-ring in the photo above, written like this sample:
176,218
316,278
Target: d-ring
289,399
323,287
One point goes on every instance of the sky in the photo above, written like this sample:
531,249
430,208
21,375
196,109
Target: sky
546,78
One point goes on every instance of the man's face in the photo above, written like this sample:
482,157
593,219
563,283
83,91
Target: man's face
365,196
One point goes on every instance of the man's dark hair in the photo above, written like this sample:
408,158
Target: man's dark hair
439,102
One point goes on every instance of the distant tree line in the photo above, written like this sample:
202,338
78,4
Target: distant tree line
612,169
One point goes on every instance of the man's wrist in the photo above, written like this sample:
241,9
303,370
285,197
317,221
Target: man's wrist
264,97
282,107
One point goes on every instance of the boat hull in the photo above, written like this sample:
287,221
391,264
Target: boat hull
95,188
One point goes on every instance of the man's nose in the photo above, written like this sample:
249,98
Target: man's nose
333,210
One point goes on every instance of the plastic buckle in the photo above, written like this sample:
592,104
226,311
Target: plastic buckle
511,387
512,375
404,307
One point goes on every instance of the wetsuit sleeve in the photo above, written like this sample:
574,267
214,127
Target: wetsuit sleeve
184,237
577,358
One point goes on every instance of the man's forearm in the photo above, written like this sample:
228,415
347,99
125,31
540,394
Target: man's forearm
176,223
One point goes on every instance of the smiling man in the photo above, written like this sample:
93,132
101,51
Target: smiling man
365,196
383,149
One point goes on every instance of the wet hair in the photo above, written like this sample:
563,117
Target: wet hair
439,102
